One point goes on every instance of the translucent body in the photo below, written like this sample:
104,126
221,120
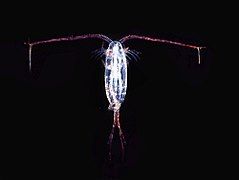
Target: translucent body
115,75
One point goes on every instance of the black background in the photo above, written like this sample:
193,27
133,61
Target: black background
178,117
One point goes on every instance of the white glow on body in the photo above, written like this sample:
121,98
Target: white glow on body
115,75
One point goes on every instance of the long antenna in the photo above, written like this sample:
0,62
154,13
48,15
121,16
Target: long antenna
70,38
129,37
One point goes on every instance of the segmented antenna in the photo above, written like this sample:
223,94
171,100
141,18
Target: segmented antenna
70,38
126,38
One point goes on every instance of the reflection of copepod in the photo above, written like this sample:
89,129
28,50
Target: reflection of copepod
115,71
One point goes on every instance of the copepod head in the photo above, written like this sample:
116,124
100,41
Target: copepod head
115,49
